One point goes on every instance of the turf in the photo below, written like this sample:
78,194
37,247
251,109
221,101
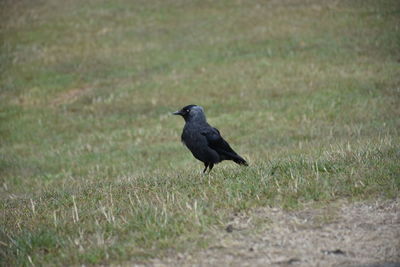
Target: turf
92,170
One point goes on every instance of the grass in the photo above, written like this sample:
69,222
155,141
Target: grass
92,169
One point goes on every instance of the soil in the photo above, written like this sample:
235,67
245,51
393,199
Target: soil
339,234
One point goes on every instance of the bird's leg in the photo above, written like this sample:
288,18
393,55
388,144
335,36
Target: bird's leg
210,167
206,166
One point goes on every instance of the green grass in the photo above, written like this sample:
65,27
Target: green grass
92,170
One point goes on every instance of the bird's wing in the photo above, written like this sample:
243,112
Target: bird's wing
216,142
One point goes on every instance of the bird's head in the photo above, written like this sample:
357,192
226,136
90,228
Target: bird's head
190,112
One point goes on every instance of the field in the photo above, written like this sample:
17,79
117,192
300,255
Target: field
92,170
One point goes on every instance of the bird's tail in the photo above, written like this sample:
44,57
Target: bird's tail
239,160
232,156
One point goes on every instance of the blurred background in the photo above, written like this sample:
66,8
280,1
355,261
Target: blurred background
87,88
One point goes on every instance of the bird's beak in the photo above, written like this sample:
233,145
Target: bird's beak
177,113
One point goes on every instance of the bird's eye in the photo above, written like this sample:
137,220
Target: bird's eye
187,111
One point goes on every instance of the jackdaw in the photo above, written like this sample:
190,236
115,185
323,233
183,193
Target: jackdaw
204,141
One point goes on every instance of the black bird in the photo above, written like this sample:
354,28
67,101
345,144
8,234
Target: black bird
204,141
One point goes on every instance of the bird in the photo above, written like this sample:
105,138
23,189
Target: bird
204,141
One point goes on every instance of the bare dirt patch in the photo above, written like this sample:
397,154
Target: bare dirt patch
340,234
